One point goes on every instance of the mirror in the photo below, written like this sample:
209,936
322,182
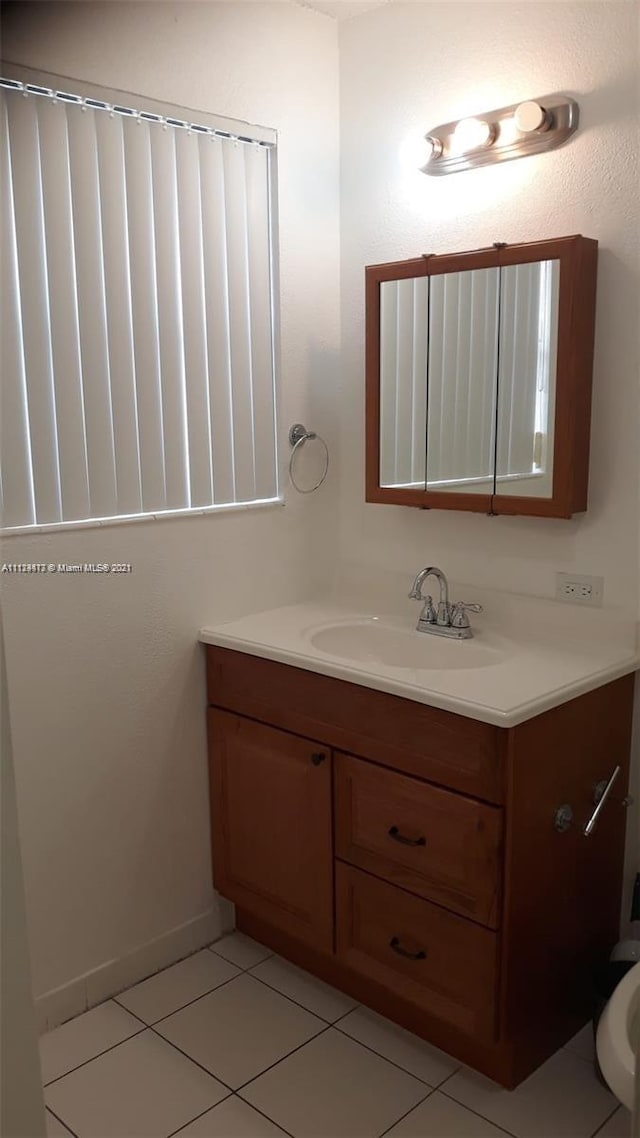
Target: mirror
467,380
404,322
529,299
462,381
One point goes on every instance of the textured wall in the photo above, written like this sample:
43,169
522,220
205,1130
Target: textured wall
105,676
407,67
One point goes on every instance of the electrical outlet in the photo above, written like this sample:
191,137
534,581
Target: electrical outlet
578,589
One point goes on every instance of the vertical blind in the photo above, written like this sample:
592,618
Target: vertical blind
138,346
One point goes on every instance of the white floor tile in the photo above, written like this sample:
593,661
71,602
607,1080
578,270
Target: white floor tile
582,1044
399,1046
233,1118
142,1088
618,1126
176,986
334,1088
314,995
441,1117
240,1029
563,1098
85,1037
55,1129
241,950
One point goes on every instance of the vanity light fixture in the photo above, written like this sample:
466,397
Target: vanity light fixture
498,136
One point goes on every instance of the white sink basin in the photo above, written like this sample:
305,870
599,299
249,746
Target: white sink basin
618,1038
374,641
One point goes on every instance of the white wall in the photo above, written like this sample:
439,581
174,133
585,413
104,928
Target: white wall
21,1098
404,69
105,676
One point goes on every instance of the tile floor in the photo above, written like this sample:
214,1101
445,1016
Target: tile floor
236,1043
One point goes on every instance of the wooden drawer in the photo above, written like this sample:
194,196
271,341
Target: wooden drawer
438,961
443,846
445,748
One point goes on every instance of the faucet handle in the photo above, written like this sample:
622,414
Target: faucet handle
459,618
428,614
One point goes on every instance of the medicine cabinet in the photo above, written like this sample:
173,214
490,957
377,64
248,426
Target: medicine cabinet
478,378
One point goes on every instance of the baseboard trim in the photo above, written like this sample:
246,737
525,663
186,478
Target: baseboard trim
71,999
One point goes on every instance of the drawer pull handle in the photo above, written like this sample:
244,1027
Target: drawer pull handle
398,837
394,943
317,758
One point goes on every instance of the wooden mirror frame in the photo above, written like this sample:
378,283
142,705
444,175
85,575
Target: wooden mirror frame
574,365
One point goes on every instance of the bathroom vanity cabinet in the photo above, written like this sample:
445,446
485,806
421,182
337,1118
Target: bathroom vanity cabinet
408,855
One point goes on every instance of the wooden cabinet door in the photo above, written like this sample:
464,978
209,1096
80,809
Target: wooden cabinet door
271,825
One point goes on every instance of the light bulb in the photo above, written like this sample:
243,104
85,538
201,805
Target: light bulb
530,116
470,134
418,150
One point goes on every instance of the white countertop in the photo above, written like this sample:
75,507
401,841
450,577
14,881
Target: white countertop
545,652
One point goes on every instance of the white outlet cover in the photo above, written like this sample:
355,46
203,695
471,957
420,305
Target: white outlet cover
570,589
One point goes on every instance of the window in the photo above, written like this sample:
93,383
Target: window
139,338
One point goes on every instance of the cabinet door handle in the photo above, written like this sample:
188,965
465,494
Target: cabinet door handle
394,943
317,758
398,837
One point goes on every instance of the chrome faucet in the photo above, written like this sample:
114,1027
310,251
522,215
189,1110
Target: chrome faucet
448,619
429,615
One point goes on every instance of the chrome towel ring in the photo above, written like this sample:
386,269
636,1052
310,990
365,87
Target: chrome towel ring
298,436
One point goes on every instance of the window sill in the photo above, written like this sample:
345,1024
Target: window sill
128,519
